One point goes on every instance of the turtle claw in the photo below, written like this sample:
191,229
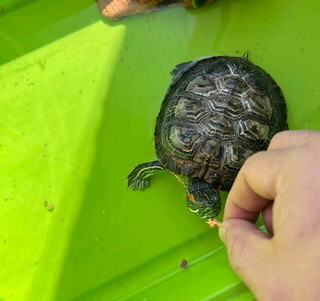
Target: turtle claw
138,184
139,176
136,181
212,222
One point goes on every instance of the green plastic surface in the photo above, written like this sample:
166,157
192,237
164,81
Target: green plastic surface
79,97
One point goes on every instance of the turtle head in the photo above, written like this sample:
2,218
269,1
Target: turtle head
202,199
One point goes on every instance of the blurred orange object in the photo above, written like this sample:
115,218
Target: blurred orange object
117,9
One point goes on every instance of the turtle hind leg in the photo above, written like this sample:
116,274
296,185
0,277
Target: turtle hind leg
138,177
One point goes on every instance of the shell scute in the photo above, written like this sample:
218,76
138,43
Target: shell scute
190,110
202,85
259,105
227,105
209,153
217,125
253,131
183,137
233,157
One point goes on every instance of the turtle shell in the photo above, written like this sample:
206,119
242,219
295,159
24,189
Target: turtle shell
217,112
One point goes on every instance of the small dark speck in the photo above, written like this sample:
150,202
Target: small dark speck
126,48
45,202
80,91
62,72
44,155
121,59
183,264
45,144
31,84
302,49
51,207
16,84
237,51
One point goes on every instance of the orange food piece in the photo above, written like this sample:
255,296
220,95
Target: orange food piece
213,223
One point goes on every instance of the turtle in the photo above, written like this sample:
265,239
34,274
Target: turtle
217,112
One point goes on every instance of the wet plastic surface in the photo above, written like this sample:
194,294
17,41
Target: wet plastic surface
79,97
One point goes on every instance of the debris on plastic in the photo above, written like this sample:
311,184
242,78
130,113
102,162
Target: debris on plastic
50,207
183,264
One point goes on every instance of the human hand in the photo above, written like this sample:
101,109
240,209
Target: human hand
284,184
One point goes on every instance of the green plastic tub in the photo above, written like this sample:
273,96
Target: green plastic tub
79,96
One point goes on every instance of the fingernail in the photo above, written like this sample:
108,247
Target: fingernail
222,233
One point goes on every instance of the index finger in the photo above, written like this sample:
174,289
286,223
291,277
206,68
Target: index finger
255,186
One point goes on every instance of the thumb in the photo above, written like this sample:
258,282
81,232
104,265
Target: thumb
249,249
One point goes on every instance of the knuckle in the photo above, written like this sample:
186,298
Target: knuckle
251,163
277,139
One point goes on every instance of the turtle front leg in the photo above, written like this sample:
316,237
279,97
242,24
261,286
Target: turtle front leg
138,177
